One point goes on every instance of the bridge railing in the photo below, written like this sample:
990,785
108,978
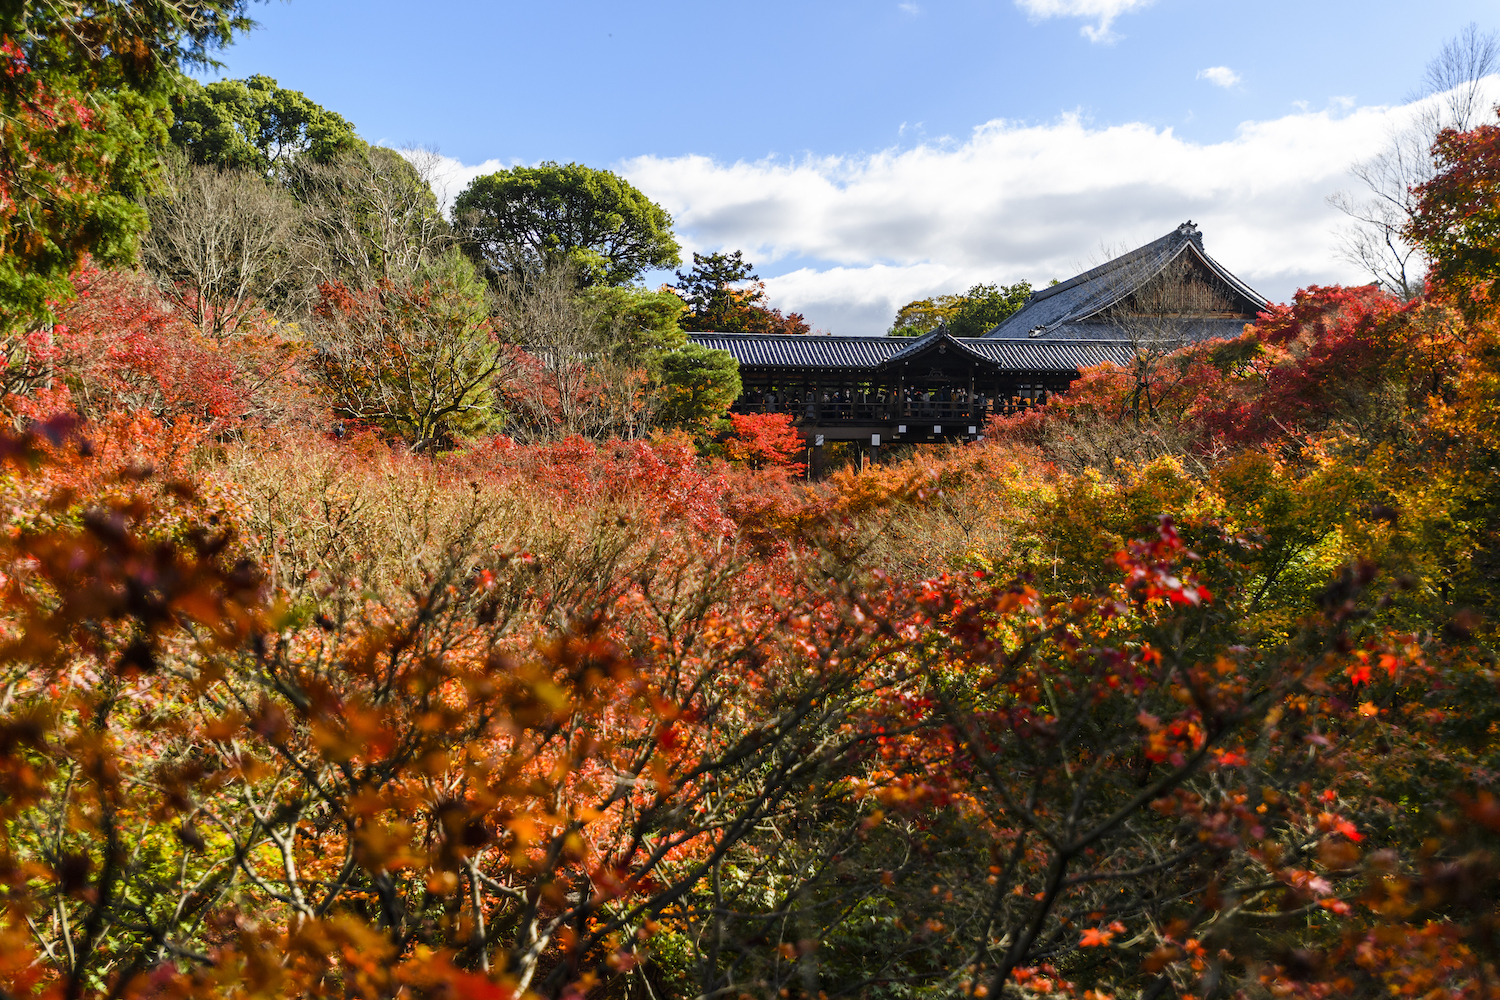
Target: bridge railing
855,411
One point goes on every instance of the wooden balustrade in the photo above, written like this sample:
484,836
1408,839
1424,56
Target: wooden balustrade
919,411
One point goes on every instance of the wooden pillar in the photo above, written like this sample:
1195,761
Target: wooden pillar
816,467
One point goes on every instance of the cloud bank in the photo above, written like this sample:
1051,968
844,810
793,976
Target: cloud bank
855,237
847,240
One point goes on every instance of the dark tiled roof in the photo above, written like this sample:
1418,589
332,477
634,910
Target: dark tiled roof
912,346
1060,329
1050,310
871,354
790,351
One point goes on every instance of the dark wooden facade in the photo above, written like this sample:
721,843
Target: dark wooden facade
881,390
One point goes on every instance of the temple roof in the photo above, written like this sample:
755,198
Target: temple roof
1073,309
1064,328
873,354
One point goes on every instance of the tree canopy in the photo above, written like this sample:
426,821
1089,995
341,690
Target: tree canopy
254,124
529,219
699,384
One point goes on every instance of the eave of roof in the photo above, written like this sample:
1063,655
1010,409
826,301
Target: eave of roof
802,351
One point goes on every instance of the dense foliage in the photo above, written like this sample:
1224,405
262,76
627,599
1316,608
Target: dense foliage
83,107
256,125
371,655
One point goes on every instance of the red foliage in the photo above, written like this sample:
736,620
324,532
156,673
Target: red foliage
1327,357
1327,353
662,480
1151,573
120,347
765,441
1458,216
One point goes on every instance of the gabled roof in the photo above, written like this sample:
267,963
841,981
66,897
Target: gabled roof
937,339
1053,311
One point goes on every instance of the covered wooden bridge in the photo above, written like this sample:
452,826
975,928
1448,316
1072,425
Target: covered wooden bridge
885,390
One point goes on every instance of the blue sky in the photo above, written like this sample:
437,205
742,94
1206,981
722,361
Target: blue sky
864,152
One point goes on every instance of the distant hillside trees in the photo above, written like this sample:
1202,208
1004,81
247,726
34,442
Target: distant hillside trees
972,314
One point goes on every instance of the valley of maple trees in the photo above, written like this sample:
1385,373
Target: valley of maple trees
1182,685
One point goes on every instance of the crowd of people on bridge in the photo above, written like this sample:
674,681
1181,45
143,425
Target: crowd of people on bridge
883,404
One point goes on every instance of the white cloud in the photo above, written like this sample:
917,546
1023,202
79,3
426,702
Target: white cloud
448,176
909,8
860,235
848,239
1219,76
1105,10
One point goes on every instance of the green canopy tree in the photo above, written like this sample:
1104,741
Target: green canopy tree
529,219
83,110
923,315
698,385
254,124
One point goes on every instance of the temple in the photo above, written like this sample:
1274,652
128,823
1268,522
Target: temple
887,390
